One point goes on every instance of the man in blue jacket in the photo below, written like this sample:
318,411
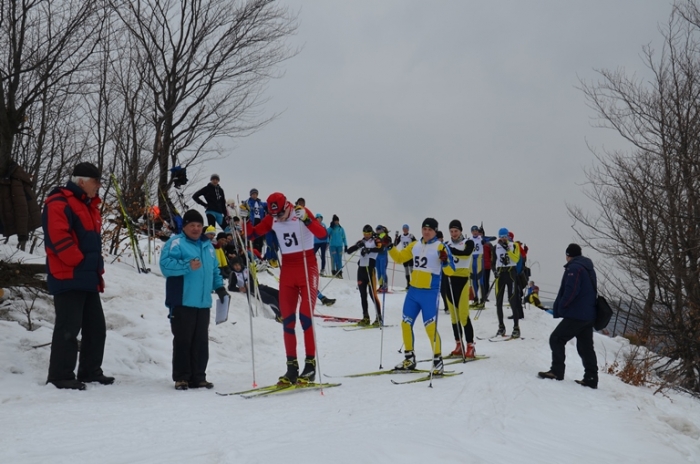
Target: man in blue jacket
576,304
189,263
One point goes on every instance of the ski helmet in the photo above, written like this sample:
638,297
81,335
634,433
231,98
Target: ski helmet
367,229
275,203
502,232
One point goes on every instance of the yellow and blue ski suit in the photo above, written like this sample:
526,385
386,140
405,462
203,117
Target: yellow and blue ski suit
424,289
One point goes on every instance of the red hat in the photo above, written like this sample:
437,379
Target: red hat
275,203
511,235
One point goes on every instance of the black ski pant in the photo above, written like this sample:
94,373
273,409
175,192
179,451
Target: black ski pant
507,280
367,283
190,328
271,297
408,269
487,284
77,311
565,331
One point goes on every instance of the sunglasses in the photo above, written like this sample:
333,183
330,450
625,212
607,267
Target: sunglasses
503,236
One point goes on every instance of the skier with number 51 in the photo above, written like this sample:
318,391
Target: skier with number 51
295,228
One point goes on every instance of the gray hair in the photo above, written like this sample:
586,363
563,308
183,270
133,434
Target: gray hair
75,179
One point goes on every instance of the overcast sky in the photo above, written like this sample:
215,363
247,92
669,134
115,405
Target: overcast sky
394,111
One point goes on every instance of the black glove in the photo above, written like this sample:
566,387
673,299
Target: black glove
365,251
221,291
345,250
360,244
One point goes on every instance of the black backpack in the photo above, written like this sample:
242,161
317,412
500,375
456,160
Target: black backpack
603,311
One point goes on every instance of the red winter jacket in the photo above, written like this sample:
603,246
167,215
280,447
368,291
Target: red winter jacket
72,237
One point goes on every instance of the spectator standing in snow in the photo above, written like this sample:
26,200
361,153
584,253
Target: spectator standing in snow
72,237
214,202
576,304
192,273
320,244
256,209
338,244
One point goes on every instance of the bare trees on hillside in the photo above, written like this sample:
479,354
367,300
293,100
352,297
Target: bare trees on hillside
648,221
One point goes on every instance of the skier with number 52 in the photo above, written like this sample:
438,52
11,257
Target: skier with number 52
429,257
295,228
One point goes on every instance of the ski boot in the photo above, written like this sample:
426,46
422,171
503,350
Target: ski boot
364,322
438,366
273,263
458,350
339,275
308,375
408,364
471,351
377,322
501,331
327,301
290,377
516,332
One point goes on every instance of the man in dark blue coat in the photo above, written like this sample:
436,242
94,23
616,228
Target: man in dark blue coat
576,304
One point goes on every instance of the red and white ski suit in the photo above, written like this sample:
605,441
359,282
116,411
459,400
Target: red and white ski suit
296,240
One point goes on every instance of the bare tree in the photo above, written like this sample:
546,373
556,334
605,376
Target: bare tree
648,198
204,65
43,45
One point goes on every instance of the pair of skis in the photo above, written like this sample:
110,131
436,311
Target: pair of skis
277,389
501,338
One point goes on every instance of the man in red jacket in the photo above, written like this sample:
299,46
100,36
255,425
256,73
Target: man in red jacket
72,233
295,228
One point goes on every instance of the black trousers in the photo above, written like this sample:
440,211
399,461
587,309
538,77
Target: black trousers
190,328
507,280
367,284
77,311
565,331
487,284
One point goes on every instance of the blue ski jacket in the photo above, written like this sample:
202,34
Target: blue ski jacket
576,298
183,286
321,240
336,236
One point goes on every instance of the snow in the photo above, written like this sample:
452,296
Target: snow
497,411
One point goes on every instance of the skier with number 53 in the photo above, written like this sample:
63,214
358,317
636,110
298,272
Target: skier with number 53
295,228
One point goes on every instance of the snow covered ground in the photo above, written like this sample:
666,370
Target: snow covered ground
498,411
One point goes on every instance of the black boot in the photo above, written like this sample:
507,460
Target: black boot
308,375
290,377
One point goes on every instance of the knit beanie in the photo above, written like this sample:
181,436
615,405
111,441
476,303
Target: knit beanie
455,224
192,216
431,223
573,250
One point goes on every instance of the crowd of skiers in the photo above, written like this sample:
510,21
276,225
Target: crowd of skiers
197,260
